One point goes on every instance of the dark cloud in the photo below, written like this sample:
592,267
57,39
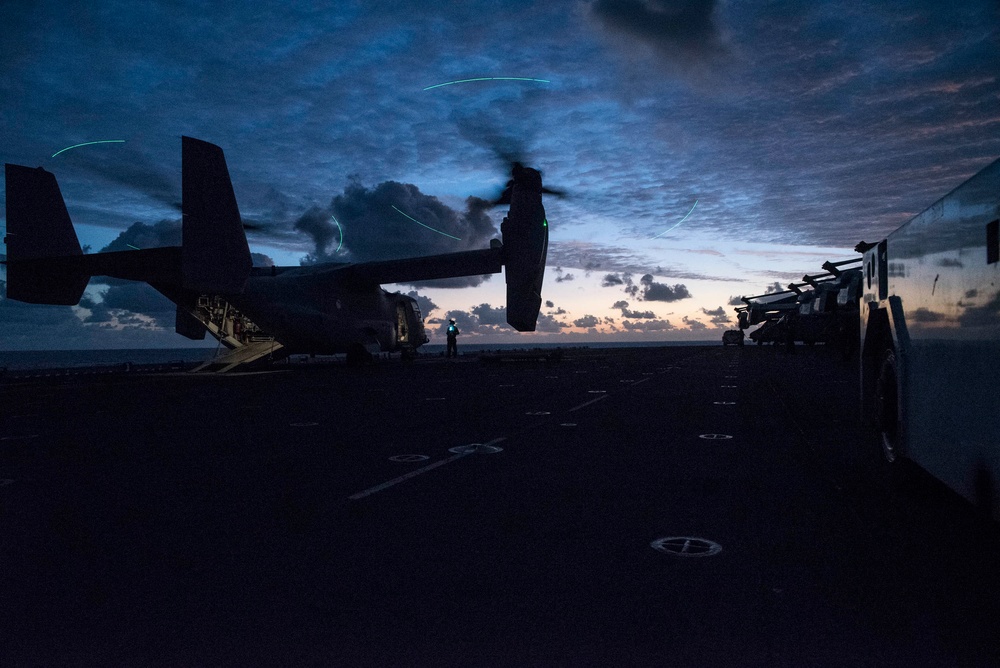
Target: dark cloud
774,287
42,327
122,301
660,292
587,321
736,300
490,315
694,325
375,230
425,304
562,278
717,316
682,30
611,280
648,326
635,315
318,224
142,235
547,323
549,303
590,256
372,226
261,260
478,320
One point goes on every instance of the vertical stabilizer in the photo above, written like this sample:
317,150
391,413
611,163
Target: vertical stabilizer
215,258
40,238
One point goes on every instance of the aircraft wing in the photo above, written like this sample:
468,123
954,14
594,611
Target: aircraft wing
449,265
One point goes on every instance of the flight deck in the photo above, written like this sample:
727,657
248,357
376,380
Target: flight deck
637,506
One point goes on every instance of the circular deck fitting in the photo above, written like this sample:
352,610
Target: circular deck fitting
715,437
626,380
686,546
538,413
567,424
724,403
408,458
731,387
597,391
303,424
475,448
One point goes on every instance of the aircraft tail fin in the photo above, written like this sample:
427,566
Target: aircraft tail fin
215,257
42,247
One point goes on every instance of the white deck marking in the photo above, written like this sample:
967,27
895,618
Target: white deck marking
587,403
413,474
687,546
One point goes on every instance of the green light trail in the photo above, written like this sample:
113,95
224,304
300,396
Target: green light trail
341,230
452,83
88,143
678,222
427,226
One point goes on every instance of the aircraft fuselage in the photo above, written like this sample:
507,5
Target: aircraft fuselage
312,310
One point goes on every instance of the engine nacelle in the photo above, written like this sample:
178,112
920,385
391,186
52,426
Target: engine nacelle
526,242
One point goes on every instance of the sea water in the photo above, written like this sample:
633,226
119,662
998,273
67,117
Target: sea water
19,360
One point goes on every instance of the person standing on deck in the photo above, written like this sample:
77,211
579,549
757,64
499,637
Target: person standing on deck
453,333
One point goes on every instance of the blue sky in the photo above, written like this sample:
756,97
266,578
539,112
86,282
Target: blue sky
793,129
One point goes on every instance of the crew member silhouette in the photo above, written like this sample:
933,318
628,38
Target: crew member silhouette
452,339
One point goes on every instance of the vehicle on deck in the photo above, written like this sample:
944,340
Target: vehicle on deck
930,340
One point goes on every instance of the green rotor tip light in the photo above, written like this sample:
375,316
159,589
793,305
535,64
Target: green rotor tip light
88,143
458,81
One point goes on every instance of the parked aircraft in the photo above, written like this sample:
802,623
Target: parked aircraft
256,311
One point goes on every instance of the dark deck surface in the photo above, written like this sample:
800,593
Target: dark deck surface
201,520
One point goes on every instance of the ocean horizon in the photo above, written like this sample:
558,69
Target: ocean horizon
20,360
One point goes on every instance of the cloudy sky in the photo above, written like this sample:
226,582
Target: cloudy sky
708,149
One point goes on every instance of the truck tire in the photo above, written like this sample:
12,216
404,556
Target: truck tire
887,417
